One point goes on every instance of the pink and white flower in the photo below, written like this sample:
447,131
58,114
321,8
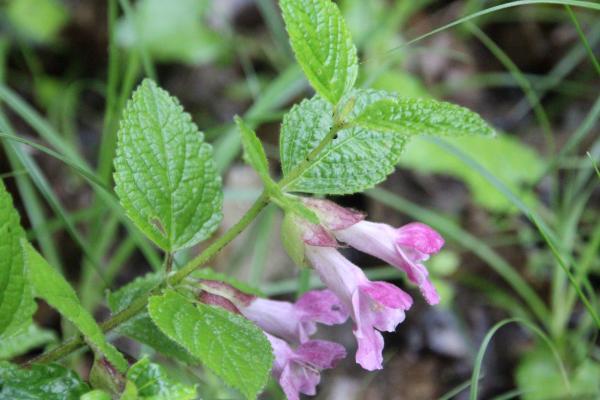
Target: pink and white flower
299,370
373,306
406,248
294,322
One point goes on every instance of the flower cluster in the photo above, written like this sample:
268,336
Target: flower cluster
288,327
373,306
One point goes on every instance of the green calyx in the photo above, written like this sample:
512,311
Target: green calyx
292,239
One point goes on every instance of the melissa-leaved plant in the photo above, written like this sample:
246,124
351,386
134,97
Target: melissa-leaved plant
343,140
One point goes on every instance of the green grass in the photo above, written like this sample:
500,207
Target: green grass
562,228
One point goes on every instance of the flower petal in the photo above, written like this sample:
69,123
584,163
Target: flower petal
321,354
321,306
420,237
298,371
370,342
398,248
384,304
428,291
387,294
296,379
268,315
374,305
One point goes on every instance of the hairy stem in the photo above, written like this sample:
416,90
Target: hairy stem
211,251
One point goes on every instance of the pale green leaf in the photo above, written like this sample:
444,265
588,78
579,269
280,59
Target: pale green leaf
409,117
38,20
130,392
96,395
228,344
31,338
322,45
254,153
121,298
539,379
355,159
172,30
48,382
141,327
16,303
371,129
153,383
56,291
514,164
165,174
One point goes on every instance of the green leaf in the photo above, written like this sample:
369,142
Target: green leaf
514,164
228,344
539,378
254,153
355,159
130,392
96,395
16,303
125,295
48,382
153,383
56,291
141,327
38,20
172,31
165,175
322,45
370,133
410,117
20,343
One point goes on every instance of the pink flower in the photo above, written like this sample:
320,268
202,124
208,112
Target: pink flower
294,322
405,248
374,306
298,370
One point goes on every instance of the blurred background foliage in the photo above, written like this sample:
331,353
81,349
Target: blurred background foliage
520,212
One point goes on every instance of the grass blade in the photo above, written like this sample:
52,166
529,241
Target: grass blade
476,376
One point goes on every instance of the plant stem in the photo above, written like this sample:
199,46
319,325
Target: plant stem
168,263
211,251
221,242
139,304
